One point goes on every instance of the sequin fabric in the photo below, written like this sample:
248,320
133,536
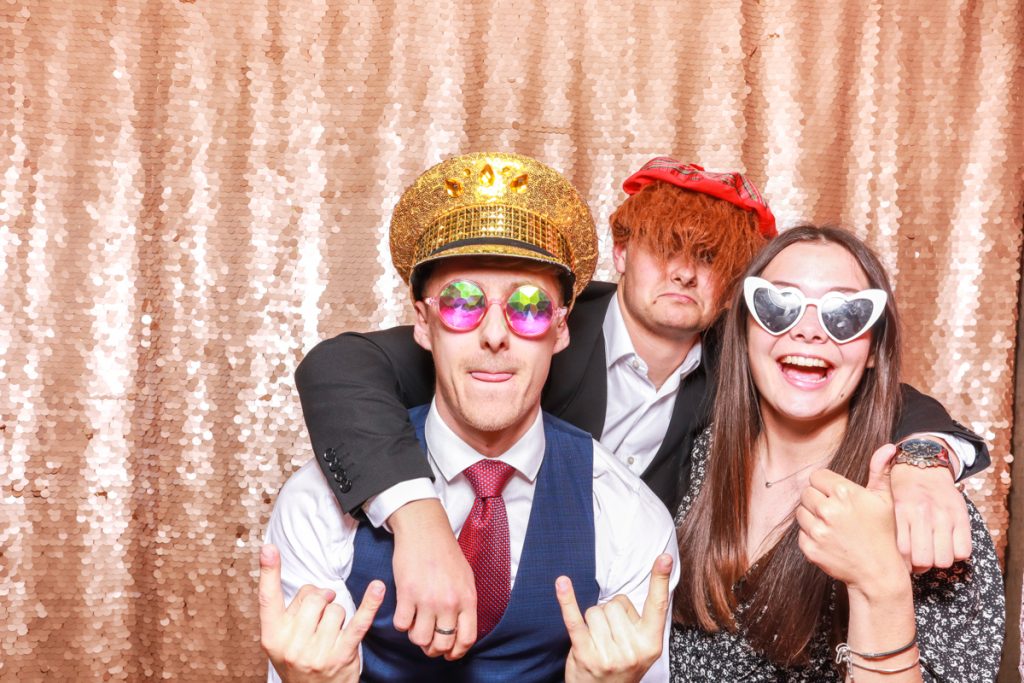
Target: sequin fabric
486,196
193,193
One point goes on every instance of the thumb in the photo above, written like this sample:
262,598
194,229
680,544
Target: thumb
880,469
271,597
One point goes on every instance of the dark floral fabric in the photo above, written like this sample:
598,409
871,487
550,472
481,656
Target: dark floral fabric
960,621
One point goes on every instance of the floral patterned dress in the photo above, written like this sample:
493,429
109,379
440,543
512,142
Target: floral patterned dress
960,621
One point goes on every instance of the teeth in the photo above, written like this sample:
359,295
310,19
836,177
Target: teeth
804,361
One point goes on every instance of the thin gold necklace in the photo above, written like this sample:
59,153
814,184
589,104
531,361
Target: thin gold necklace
769,484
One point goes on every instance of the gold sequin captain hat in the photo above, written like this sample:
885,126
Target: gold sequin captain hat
494,204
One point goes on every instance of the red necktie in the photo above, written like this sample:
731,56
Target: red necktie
484,542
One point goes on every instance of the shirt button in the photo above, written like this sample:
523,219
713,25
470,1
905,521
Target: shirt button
635,363
631,460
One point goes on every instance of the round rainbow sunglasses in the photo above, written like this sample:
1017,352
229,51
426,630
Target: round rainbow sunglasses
529,310
844,317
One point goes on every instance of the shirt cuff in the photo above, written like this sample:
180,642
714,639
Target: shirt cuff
378,508
964,450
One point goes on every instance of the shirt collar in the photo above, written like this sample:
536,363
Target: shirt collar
617,344
618,347
452,455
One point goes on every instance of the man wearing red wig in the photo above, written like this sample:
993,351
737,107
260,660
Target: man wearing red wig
636,375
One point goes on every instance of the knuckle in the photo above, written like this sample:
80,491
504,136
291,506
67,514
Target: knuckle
620,600
293,659
268,644
652,652
920,508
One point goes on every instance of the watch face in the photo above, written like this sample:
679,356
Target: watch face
921,448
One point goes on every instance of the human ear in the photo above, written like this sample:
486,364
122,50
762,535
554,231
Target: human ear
421,328
619,257
561,336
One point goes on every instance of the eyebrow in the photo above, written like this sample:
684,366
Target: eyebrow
841,290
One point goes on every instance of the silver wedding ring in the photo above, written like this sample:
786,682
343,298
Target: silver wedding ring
444,631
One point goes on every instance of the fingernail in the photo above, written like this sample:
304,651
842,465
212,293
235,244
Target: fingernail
562,583
378,589
266,554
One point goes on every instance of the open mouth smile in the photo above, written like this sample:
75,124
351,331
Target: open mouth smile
805,371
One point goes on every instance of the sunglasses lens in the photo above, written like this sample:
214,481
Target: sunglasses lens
775,310
462,305
845,320
529,311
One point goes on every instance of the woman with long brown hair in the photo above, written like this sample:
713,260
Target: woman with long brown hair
789,564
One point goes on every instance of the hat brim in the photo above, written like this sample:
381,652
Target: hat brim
504,250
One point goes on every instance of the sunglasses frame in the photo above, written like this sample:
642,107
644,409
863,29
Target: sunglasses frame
877,297
557,314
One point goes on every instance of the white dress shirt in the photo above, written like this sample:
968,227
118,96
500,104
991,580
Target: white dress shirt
631,525
637,413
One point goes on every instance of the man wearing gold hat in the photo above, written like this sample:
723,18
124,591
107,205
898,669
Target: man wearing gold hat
636,376
534,501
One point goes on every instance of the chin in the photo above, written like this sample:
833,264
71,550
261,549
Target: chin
491,418
811,412
681,323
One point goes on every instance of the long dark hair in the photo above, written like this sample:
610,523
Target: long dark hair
788,596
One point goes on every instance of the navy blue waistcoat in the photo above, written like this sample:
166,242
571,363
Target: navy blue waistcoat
530,642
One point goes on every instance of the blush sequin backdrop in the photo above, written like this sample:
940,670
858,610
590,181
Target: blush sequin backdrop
194,193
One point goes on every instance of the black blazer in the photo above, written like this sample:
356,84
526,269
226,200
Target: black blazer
356,388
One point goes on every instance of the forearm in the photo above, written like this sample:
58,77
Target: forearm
355,392
882,621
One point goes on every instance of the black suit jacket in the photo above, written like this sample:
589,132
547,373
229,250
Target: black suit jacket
356,388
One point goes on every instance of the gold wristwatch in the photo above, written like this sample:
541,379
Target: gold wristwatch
924,453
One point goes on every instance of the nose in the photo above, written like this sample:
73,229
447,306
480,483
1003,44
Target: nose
808,328
683,271
494,332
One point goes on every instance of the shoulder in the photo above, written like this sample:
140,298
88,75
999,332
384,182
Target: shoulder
698,472
699,458
617,490
592,304
306,498
315,538
596,292
631,528
560,426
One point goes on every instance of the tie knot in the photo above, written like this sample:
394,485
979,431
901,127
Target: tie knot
488,477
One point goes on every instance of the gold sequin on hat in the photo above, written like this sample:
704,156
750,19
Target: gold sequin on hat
494,204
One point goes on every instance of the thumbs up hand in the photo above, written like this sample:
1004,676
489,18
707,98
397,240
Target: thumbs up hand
849,531
613,643
305,641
